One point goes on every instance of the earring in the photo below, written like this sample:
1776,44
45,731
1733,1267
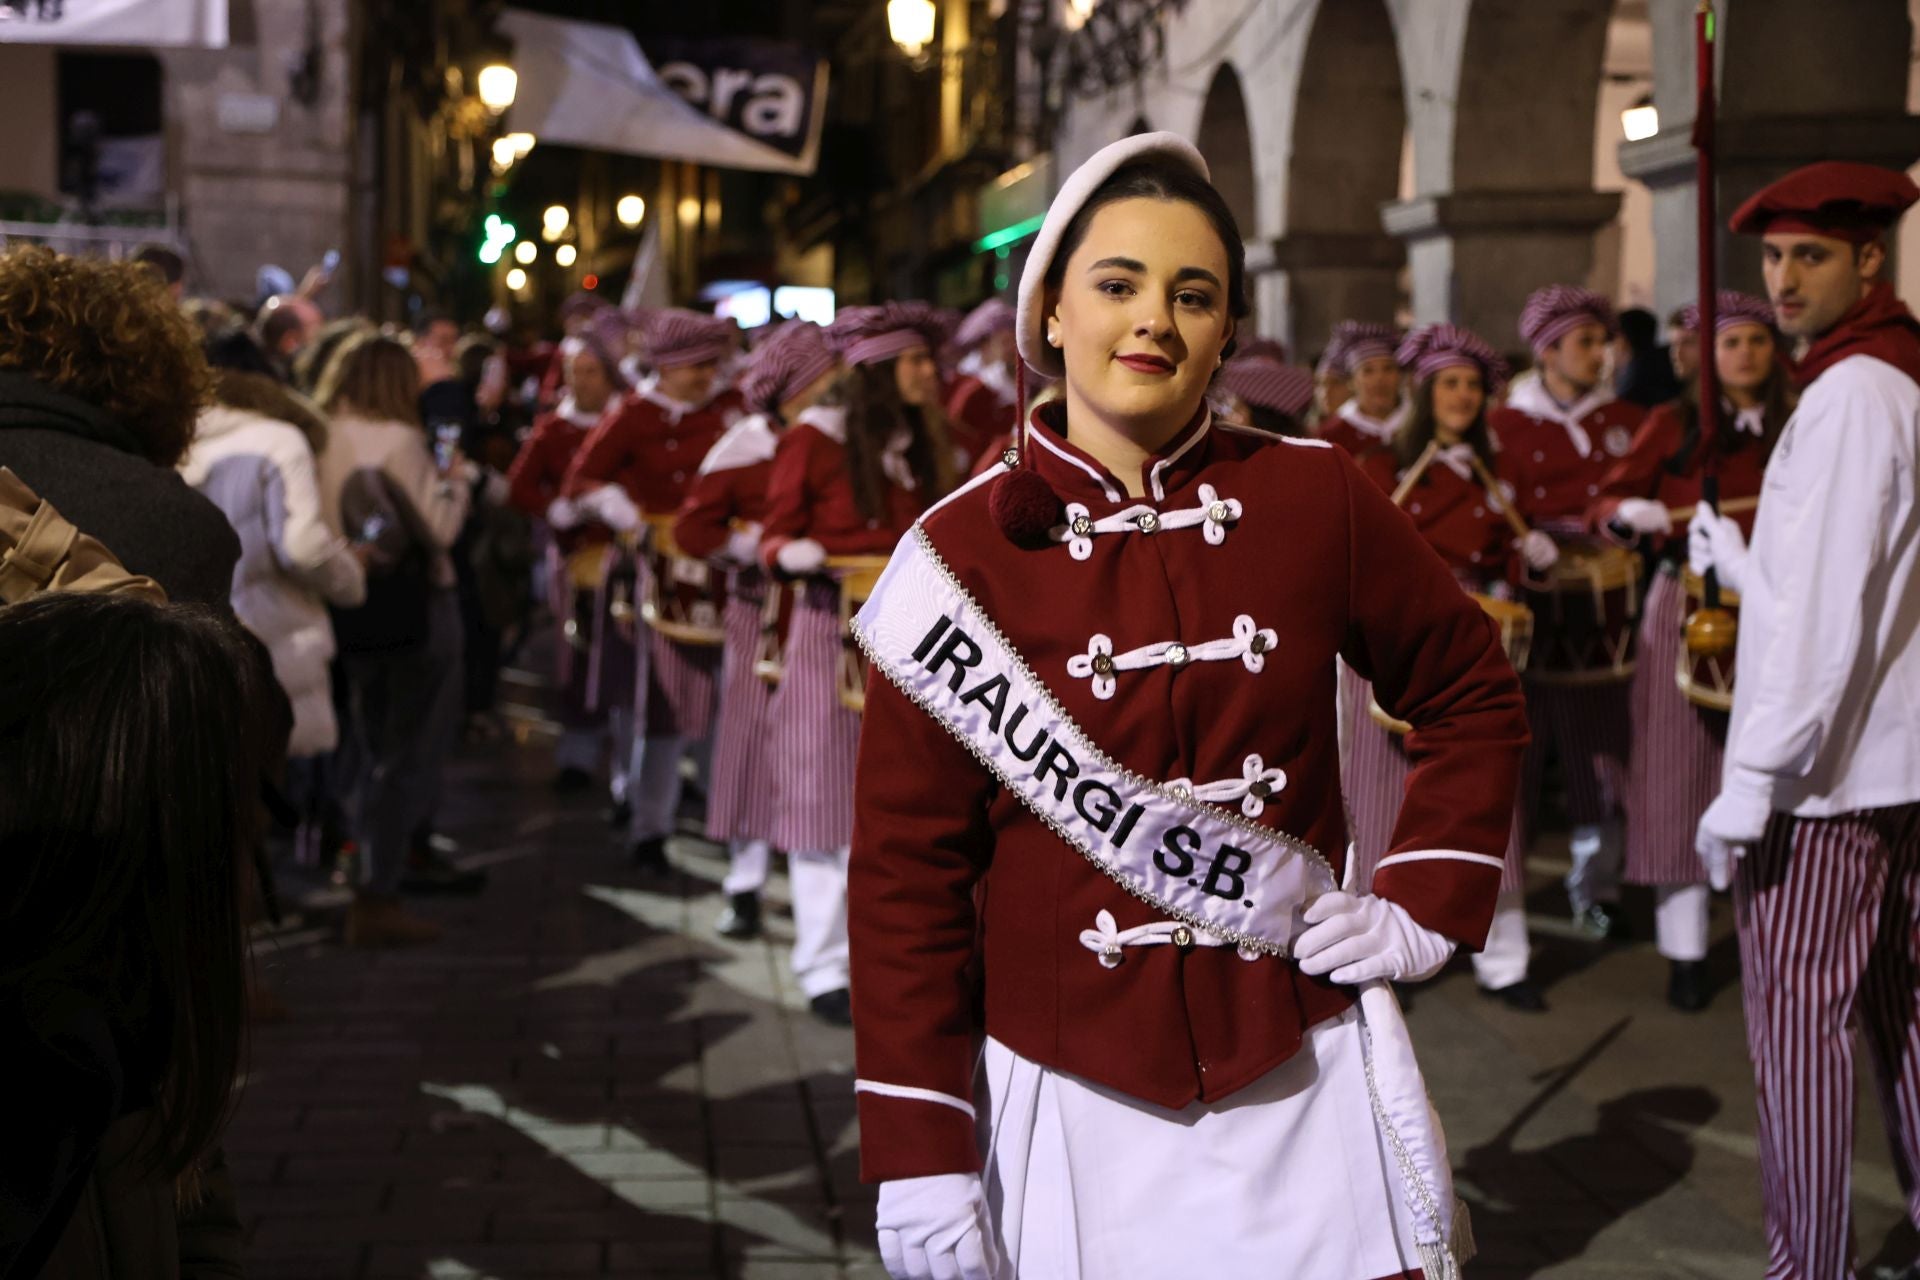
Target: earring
1053,339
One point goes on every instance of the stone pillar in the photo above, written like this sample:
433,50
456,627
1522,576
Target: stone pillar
1475,256
1798,83
1322,277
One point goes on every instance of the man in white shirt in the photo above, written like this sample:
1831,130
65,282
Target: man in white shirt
1818,821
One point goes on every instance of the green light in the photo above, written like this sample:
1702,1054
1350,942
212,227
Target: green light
1000,280
493,224
490,252
1003,253
1009,235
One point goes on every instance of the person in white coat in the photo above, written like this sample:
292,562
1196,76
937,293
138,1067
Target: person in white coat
253,455
1818,821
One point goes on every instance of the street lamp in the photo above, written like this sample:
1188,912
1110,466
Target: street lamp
564,255
503,154
522,143
525,252
497,84
554,220
516,279
630,210
1641,120
910,23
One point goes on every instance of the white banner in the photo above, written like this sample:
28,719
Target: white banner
587,84
200,24
1199,863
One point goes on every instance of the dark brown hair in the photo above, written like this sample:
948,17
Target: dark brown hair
874,409
107,333
1413,437
127,738
1161,179
1776,398
374,376
310,365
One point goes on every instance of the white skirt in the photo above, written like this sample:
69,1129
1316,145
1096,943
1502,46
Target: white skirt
1289,1177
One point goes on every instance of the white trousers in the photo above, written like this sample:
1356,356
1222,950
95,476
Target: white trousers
620,752
1287,1178
1680,920
1503,961
654,785
746,866
819,880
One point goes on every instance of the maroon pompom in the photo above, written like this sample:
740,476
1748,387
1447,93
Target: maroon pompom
1025,507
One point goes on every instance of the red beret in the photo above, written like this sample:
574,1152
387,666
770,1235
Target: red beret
1837,198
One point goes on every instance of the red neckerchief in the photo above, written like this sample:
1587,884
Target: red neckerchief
1879,325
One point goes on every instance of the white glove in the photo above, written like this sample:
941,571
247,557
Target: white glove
936,1228
1539,551
1715,542
801,556
1644,515
1357,939
562,513
1736,819
610,505
743,545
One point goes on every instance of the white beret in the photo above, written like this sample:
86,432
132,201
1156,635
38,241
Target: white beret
1030,331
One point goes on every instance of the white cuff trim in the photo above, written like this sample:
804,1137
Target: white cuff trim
1439,855
913,1094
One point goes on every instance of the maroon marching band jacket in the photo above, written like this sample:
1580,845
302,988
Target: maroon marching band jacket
651,447
731,486
976,417
810,496
539,469
1646,471
1556,458
1456,516
965,910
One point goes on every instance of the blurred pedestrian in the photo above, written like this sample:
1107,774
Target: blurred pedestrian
382,483
128,749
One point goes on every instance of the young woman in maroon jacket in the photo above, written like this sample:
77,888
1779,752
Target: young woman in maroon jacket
1104,972
1674,771
587,650
849,477
1454,374
721,521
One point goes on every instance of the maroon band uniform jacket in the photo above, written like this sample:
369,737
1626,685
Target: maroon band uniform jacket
966,911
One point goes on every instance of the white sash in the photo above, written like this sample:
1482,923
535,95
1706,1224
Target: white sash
1199,863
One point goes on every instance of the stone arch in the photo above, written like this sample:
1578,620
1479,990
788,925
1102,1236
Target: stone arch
1226,141
1349,129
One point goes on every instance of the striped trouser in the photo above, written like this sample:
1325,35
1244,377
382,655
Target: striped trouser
1829,913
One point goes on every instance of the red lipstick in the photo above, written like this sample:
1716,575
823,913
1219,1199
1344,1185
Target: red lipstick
1146,363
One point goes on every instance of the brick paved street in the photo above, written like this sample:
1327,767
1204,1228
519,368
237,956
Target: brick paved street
583,1080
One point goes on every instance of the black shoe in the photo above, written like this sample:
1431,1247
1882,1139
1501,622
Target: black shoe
428,872
741,919
1909,1272
570,780
835,1008
1602,921
650,856
1522,996
619,815
1687,985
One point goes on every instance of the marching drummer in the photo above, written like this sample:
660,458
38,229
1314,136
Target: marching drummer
1558,433
1674,772
1367,421
721,521
849,477
640,461
1440,471
1261,390
1820,798
577,577
1098,785
980,403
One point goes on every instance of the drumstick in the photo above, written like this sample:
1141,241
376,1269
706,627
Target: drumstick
1680,515
1497,495
1414,472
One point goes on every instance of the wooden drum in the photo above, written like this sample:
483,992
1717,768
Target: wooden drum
1706,679
683,597
1587,616
1515,621
856,576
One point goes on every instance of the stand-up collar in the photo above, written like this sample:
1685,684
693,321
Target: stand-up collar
1074,473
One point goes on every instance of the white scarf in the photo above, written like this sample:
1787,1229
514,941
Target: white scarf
1378,428
1532,398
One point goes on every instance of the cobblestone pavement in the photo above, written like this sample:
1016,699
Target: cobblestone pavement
583,1080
